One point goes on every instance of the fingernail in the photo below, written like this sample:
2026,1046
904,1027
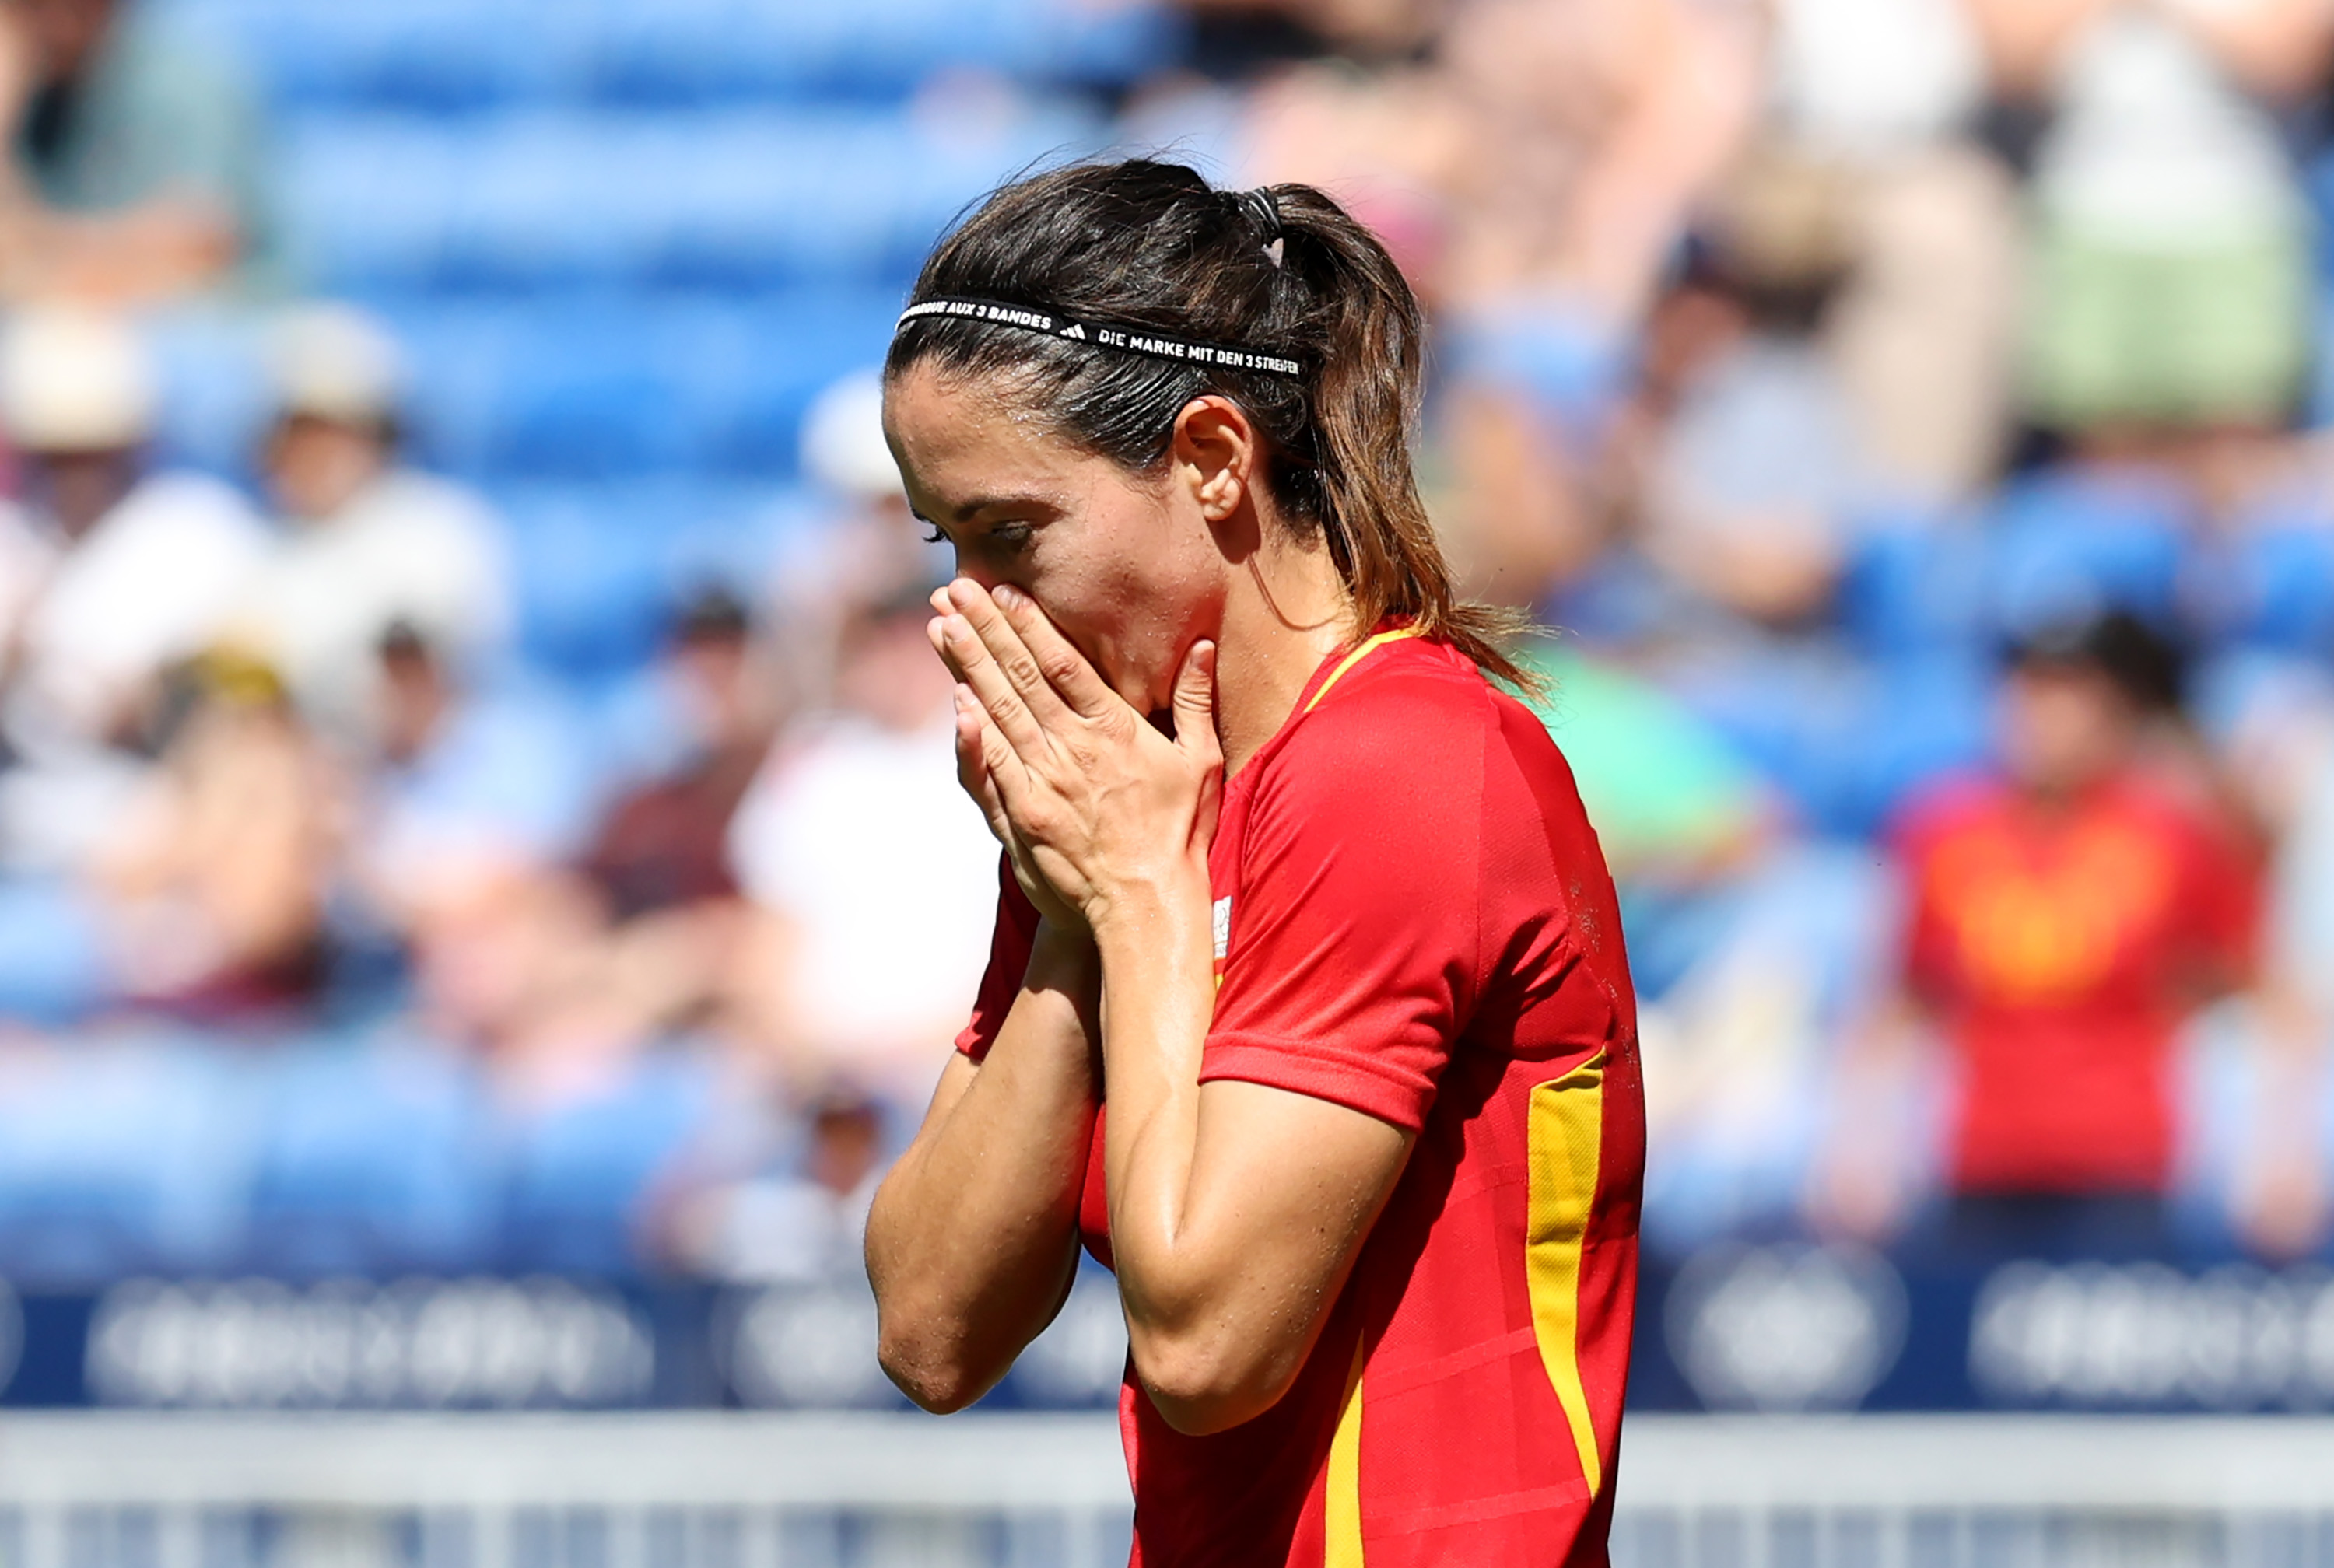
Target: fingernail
1008,597
956,628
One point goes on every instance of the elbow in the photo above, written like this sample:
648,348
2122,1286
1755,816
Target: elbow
1201,1384
933,1376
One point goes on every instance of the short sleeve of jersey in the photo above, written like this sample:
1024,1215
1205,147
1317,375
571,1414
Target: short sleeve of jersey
1008,964
1352,946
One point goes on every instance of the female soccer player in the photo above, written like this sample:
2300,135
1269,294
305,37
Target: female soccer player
1309,1016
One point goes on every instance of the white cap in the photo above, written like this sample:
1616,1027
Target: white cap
335,362
843,445
75,379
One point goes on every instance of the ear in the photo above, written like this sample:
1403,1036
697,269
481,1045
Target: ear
1218,453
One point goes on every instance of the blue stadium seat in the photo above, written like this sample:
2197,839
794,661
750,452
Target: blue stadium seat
55,968
124,1156
593,395
377,1160
2318,181
601,568
550,200
431,56
588,565
215,400
369,202
1921,720
462,357
1846,741
2269,584
752,198
583,1170
738,200
1915,585
697,51
563,390
2071,542
795,346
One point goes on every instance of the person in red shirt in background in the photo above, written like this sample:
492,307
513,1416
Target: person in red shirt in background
2064,919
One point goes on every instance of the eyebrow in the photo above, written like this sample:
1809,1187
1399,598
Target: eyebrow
979,504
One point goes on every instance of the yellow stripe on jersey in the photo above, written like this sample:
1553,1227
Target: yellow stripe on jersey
1341,1513
1368,647
1565,1138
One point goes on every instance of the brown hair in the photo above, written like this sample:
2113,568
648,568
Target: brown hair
1149,244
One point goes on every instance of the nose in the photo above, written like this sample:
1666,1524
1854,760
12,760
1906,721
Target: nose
988,576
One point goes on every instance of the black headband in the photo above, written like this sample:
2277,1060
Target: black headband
1128,340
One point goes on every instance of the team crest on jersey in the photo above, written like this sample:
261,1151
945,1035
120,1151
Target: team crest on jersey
1223,910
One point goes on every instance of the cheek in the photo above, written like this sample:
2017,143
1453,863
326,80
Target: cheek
1137,613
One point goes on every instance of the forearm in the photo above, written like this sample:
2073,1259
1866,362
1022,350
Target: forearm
147,253
1207,1310
972,1240
1159,964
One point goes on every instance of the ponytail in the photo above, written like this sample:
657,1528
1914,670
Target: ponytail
1364,409
1280,270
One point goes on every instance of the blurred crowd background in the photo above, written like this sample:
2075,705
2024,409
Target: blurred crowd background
475,796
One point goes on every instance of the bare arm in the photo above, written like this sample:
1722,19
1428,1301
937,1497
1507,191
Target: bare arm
1236,1210
973,1241
1692,104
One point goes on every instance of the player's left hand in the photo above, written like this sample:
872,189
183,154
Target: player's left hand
1114,813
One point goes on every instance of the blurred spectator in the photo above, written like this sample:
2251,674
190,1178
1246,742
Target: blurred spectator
1591,128
874,866
665,844
868,545
369,543
2276,741
1577,139
799,1226
108,573
2065,917
1873,104
213,884
1755,466
676,936
1236,34
2170,275
138,161
476,795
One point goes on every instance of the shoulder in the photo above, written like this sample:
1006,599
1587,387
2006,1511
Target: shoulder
1415,757
1411,706
182,515
2177,812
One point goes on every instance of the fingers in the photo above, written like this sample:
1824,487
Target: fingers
1001,646
971,762
981,753
1064,667
1195,707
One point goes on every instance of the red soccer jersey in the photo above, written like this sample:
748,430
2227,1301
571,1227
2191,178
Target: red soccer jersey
1414,920
2061,948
